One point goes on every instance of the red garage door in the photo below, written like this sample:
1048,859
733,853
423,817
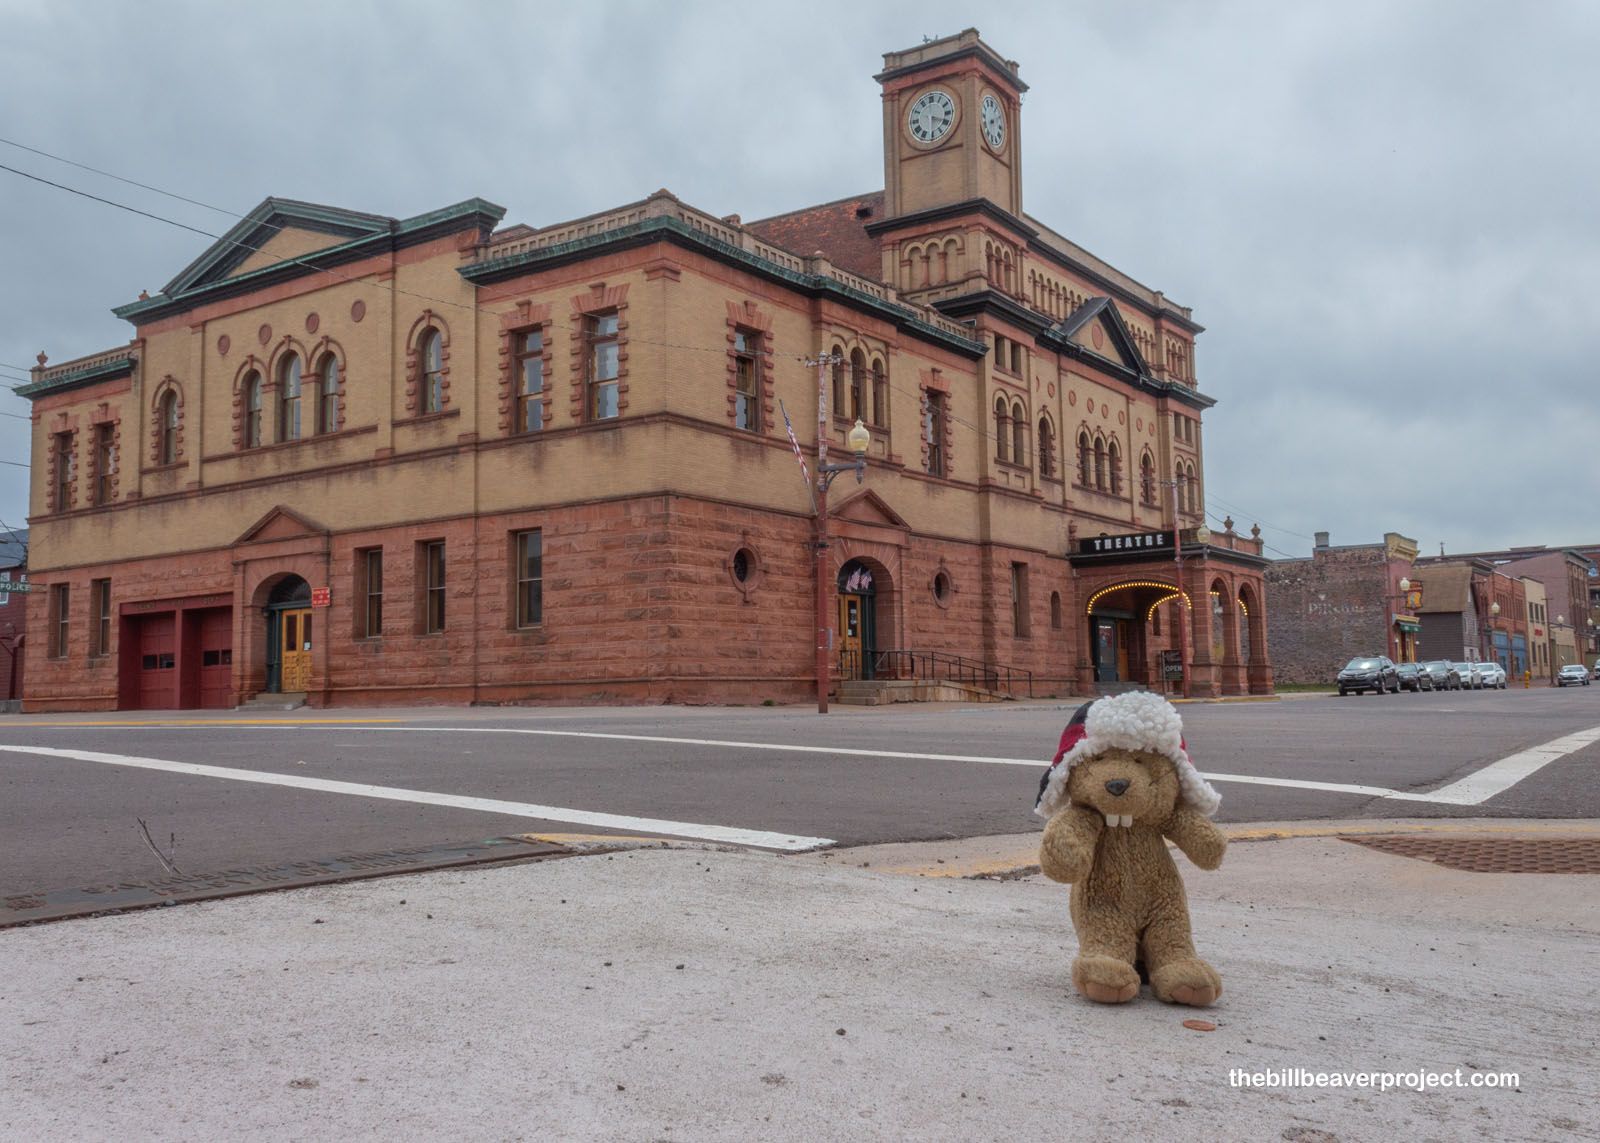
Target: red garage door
158,662
216,656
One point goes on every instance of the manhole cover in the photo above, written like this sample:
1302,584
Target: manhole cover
1494,854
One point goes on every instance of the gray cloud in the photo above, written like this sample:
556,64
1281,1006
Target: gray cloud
1382,213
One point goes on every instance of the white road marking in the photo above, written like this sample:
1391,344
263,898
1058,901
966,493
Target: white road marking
727,834
1474,789
1498,777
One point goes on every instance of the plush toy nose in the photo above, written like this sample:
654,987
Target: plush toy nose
1117,787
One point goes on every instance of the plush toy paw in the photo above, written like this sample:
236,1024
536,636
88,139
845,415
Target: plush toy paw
1105,979
1191,981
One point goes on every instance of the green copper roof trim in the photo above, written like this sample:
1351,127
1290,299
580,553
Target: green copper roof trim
501,268
486,214
104,371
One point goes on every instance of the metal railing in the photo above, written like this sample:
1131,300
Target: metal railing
939,666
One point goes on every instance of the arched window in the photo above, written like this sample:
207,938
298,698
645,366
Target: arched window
1019,434
1114,462
328,396
858,384
432,372
289,399
1085,460
1055,611
1099,463
1194,491
1147,479
1001,436
252,411
1181,492
1047,449
167,443
880,395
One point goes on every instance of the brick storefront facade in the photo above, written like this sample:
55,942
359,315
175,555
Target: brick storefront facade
1340,603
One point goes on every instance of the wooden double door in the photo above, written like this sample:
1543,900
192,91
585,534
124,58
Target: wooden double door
295,629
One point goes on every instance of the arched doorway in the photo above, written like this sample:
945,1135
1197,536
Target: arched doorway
289,636
858,625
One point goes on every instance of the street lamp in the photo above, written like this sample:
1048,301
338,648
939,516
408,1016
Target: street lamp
858,439
1399,644
1202,537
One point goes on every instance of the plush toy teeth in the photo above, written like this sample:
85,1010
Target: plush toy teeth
1127,821
1115,820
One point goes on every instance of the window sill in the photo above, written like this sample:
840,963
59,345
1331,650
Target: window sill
425,418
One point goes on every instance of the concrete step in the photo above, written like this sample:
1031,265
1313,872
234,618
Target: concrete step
288,700
880,692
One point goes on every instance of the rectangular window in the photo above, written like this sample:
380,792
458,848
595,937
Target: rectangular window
603,366
935,411
528,370
369,591
105,462
529,547
60,601
100,600
63,471
1019,600
747,371
433,578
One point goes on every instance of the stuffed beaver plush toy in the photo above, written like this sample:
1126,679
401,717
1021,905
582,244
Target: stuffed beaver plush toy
1121,785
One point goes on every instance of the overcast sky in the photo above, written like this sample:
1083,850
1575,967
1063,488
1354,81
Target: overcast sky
1384,214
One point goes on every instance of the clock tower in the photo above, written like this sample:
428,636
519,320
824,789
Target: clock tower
951,131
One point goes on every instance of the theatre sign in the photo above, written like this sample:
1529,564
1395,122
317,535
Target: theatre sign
1136,542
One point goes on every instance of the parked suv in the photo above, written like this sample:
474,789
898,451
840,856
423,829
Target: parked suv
1471,677
1494,675
1574,674
1374,673
1445,676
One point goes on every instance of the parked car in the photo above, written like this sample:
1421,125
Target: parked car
1413,677
1597,668
1373,673
1573,673
1471,679
1444,675
1494,675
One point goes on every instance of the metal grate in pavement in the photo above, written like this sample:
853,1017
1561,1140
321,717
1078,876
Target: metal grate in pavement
1494,854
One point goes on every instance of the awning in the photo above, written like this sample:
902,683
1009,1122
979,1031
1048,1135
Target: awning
1407,623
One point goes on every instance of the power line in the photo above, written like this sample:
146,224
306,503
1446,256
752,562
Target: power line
118,178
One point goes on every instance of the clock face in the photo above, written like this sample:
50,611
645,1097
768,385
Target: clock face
931,117
993,117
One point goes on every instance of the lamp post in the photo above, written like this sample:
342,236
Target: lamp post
1399,643
1494,629
1202,536
858,439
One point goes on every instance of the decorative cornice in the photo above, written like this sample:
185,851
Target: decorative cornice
186,292
669,229
103,371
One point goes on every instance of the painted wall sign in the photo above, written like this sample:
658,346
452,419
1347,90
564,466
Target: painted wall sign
321,597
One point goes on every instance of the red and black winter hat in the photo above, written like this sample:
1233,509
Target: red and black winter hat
1138,720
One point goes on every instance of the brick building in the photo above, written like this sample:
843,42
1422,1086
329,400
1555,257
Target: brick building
1340,603
13,613
1571,579
378,460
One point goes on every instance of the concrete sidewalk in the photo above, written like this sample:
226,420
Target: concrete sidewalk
690,993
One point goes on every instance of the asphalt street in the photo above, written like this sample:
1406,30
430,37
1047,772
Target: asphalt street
88,810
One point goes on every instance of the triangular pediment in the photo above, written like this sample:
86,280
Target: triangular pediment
281,524
276,231
1097,326
867,507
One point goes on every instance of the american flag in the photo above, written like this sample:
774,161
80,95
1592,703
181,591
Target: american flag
798,455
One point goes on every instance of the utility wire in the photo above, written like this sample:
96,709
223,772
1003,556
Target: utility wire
118,178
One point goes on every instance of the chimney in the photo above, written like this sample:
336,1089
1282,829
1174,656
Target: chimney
1322,539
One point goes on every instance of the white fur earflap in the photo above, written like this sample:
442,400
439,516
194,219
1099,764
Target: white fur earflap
1137,720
